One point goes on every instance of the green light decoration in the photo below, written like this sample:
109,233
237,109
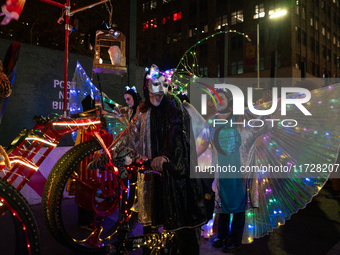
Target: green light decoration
192,70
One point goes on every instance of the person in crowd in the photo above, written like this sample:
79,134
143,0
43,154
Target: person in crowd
132,99
160,130
231,190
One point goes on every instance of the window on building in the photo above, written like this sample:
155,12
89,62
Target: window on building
297,8
218,71
145,25
298,34
153,23
328,33
192,31
328,11
221,22
273,9
311,19
298,61
323,29
334,39
316,23
177,35
335,59
317,47
312,43
303,12
261,65
259,11
166,20
334,17
317,70
236,17
153,4
166,1
177,16
237,67
304,38
317,3
204,71
324,51
204,27
338,42
329,56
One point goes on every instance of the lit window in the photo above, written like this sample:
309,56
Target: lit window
259,11
153,23
273,10
192,31
323,29
177,16
311,19
153,4
221,22
145,25
237,17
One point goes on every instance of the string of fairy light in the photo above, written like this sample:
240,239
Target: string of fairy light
191,68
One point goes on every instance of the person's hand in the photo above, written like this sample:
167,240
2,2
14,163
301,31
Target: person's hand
157,163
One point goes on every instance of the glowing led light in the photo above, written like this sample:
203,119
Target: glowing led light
41,140
24,163
307,179
76,124
308,103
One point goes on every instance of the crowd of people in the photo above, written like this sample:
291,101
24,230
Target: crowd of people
159,129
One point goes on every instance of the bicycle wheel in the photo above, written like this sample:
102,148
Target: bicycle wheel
61,210
19,229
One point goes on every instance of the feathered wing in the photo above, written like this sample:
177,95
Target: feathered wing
82,87
304,156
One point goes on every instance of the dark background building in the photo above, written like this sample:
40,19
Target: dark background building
305,41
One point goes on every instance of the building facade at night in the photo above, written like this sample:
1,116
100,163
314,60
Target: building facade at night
304,42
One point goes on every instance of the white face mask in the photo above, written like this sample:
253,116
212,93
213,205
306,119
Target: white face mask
155,99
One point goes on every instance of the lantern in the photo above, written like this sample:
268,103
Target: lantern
109,52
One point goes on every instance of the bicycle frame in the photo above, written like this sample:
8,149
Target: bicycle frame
154,241
25,149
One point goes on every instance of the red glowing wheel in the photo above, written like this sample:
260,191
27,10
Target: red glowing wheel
96,200
19,232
